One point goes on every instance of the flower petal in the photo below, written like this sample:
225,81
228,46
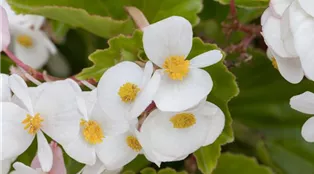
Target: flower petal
109,85
44,152
58,166
290,69
296,16
303,102
6,165
20,89
114,152
308,131
216,121
286,34
308,6
206,59
57,106
5,88
20,168
279,6
267,13
148,71
97,168
181,95
145,97
4,31
15,140
80,150
272,36
169,37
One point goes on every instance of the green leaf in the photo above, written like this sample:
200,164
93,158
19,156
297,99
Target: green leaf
223,91
107,18
121,48
248,3
148,170
263,107
167,171
137,164
5,63
239,164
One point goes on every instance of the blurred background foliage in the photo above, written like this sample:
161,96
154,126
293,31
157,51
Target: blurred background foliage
266,131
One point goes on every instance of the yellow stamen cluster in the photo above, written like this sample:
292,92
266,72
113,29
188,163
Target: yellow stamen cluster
133,143
92,131
25,40
128,92
176,67
274,62
33,124
183,120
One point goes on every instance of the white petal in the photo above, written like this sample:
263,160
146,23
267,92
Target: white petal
216,121
171,141
114,152
308,6
4,30
272,36
6,165
146,96
97,168
290,69
169,37
20,168
110,83
44,152
304,43
80,150
303,102
286,34
15,140
5,88
267,13
148,71
82,106
57,106
296,16
279,6
181,95
35,56
20,89
206,59
308,130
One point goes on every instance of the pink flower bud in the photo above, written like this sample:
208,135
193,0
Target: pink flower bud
4,30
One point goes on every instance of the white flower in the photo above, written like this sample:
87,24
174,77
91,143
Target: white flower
305,104
6,165
20,168
4,30
125,90
33,111
25,21
98,168
5,88
33,47
183,84
93,128
280,42
172,136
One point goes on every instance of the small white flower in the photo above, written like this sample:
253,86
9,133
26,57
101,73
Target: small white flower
98,168
183,85
93,128
5,88
305,104
125,90
33,47
32,111
172,136
20,168
281,50
26,21
4,30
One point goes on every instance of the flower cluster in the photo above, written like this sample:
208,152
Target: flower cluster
159,111
287,26
31,45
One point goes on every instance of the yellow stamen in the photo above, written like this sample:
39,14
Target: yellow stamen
274,62
92,131
176,67
183,120
33,124
25,40
133,143
128,92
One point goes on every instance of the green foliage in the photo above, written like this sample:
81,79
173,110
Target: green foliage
167,170
248,3
107,18
137,164
265,119
231,163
